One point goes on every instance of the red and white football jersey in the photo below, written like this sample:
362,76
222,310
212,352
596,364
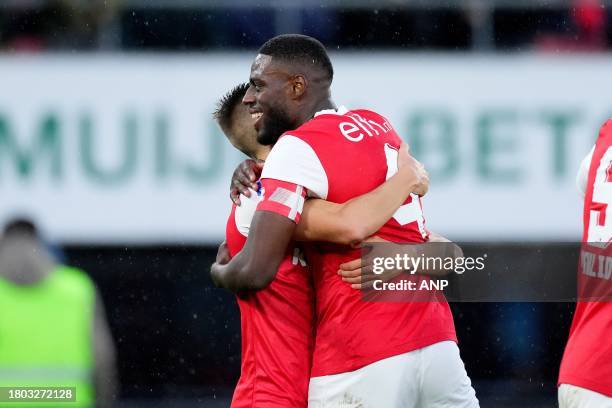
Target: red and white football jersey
336,156
587,361
276,325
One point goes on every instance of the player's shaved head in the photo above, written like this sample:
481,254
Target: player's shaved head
237,124
289,82
300,50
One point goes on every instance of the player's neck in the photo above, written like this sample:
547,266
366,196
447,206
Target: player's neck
317,106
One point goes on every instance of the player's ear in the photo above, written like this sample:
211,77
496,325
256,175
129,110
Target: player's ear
298,85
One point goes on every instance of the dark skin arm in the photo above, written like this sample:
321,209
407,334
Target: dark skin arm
255,266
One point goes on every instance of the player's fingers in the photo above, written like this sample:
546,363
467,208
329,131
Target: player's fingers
239,184
367,270
259,165
252,171
404,158
350,274
245,175
244,178
235,196
246,168
356,279
367,285
351,265
368,275
363,286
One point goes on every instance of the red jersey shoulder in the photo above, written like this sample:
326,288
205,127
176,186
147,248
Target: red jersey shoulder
606,129
608,125
354,126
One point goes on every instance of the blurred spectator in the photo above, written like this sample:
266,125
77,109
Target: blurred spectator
52,322
35,25
588,29
57,24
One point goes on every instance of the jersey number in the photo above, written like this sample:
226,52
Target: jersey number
600,224
412,211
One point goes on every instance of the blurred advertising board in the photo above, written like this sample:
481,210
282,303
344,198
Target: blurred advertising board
123,149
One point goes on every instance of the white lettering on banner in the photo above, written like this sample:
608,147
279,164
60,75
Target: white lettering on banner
93,166
600,221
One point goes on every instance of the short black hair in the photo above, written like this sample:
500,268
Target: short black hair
20,226
299,48
227,104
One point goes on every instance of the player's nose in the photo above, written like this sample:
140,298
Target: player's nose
249,96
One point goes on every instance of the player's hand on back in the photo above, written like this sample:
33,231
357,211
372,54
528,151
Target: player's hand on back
244,178
405,162
359,273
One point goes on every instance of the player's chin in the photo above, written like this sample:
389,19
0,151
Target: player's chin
265,138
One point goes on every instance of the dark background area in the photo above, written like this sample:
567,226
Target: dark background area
177,336
218,26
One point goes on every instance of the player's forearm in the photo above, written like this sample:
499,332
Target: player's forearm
224,276
357,219
367,213
238,275
320,222
255,266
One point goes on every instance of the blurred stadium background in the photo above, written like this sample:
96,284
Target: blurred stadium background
107,142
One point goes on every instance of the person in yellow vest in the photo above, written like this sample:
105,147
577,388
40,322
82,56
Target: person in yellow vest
53,329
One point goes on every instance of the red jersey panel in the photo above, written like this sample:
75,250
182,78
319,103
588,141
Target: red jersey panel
338,156
587,361
277,328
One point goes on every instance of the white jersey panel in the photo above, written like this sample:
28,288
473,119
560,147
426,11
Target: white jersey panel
294,161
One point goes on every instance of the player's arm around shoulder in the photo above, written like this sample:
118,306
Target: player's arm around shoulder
354,221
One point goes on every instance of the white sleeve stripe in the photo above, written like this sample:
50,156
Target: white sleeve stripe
283,196
298,200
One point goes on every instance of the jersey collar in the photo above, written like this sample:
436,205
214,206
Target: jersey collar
340,111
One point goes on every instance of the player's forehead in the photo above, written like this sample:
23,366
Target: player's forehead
265,66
